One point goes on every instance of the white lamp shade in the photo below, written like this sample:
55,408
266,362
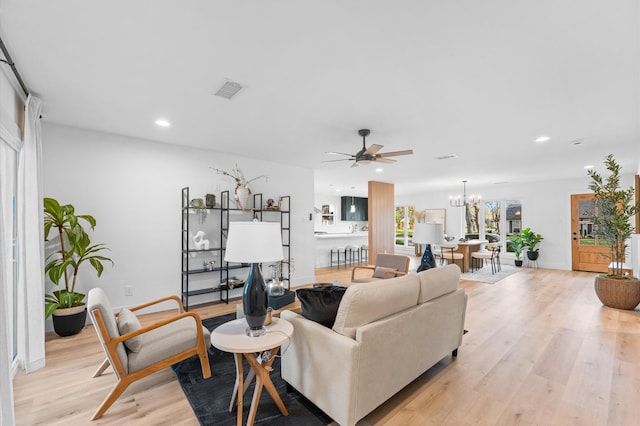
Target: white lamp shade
428,233
254,242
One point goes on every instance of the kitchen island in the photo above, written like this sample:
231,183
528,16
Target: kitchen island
326,240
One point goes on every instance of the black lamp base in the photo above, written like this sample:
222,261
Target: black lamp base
427,261
255,301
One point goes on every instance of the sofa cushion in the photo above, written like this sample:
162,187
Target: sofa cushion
364,303
321,304
383,272
436,282
128,322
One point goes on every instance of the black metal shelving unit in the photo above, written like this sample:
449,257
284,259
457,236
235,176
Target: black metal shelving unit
225,210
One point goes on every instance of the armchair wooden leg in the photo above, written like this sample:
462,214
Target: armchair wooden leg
105,364
120,387
204,363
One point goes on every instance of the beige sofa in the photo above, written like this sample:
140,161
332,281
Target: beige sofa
386,334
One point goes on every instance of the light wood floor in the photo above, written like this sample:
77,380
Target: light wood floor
541,350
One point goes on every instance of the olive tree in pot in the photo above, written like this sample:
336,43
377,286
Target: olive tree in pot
68,249
531,240
614,209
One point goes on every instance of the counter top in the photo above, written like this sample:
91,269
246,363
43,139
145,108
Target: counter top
326,235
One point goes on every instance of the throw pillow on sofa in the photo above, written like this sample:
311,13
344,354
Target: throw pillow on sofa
321,304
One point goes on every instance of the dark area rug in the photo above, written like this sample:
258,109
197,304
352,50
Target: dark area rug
210,397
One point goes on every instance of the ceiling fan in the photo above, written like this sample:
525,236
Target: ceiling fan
371,154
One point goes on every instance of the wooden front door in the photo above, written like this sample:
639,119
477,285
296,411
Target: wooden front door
587,252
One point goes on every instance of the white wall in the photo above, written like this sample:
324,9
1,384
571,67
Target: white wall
546,209
133,189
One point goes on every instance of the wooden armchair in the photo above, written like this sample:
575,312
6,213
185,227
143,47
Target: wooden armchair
387,266
135,351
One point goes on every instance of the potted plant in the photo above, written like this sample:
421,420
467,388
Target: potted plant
614,209
242,191
517,244
69,248
531,240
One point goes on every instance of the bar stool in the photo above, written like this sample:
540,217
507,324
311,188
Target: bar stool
338,251
364,253
354,253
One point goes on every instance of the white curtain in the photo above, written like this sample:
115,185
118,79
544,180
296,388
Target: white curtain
7,169
30,237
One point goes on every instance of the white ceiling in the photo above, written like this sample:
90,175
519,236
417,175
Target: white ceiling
480,79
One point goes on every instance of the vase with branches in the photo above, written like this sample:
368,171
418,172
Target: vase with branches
242,189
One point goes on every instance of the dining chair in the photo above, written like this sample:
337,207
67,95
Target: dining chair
449,254
492,254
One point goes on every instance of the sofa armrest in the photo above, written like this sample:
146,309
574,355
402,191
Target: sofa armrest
323,366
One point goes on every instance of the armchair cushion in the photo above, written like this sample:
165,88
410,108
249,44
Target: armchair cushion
321,304
384,272
128,322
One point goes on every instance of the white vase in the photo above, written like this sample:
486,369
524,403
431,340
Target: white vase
242,196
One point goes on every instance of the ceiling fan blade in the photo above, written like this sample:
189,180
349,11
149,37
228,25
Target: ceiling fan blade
385,160
373,149
394,153
332,161
338,153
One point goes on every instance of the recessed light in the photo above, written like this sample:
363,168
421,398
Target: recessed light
588,166
541,139
337,189
379,170
162,122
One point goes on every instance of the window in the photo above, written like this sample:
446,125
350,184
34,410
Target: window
493,220
404,225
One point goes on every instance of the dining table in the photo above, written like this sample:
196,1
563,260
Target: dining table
466,248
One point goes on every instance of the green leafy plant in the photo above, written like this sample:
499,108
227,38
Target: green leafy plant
530,239
615,207
517,245
71,247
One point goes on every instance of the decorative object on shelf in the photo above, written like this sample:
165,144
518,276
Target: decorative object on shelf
271,205
198,204
242,191
199,242
210,201
209,265
69,249
427,234
254,242
461,200
614,209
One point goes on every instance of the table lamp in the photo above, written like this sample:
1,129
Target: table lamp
427,234
254,242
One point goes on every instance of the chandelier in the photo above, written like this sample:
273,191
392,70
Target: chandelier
461,200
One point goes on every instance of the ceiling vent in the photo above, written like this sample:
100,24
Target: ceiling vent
446,157
229,89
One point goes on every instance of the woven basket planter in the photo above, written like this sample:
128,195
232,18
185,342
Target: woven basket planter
617,293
